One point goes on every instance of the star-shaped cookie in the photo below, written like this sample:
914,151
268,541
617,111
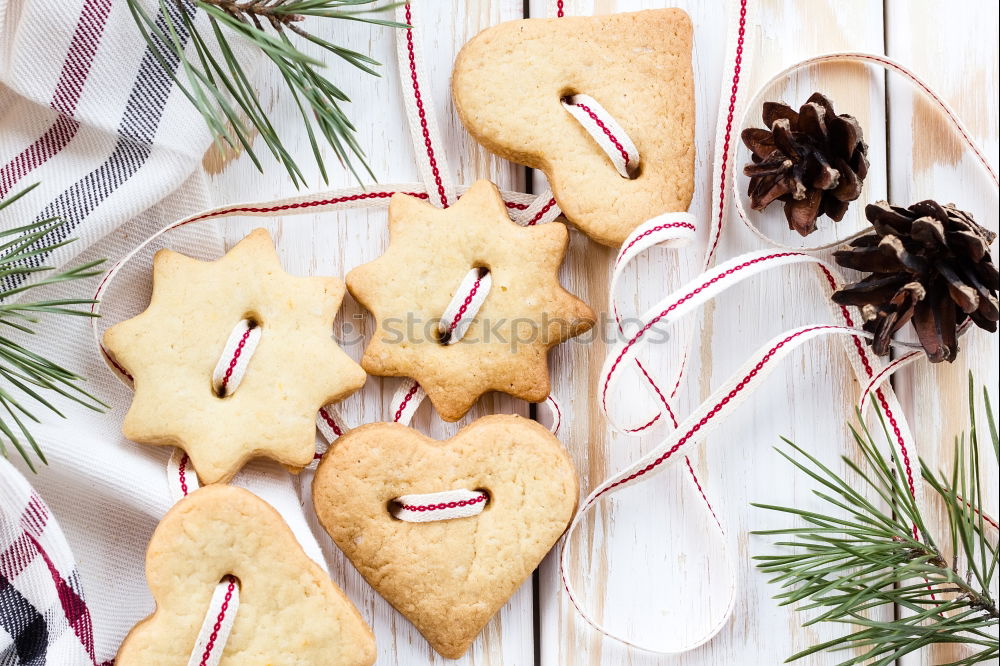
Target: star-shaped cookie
525,313
171,349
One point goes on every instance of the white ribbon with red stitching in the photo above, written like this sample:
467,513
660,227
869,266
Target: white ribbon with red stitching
606,131
434,170
181,479
464,305
429,507
669,230
210,644
695,428
446,505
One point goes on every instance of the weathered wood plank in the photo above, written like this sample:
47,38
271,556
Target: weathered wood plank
953,47
643,549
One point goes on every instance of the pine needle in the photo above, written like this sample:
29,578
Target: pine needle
26,375
210,73
859,557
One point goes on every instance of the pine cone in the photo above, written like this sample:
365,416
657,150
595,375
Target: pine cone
930,264
814,160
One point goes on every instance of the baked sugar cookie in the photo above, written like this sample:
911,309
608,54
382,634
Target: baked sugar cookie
447,577
172,350
509,83
525,313
289,612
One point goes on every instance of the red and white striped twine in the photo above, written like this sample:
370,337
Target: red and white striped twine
181,479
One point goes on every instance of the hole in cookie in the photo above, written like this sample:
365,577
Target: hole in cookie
464,306
489,497
393,507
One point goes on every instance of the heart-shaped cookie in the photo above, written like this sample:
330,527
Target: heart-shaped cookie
290,612
447,577
509,84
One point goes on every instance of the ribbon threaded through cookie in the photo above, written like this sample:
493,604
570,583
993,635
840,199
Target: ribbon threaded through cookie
445,505
610,136
464,305
217,625
235,357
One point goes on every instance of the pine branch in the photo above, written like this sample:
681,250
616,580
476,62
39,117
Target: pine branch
858,557
210,73
24,373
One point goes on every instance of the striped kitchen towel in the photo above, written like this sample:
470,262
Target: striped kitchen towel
88,111
44,618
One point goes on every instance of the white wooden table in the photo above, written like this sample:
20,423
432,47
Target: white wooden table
952,44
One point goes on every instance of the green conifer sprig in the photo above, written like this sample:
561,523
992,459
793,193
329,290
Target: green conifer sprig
216,82
26,376
854,554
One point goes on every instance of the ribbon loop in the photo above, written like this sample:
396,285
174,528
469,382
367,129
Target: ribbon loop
889,65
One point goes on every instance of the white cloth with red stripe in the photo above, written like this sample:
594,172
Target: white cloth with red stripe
39,584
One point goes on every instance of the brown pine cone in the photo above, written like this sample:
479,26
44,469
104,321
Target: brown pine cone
814,160
930,264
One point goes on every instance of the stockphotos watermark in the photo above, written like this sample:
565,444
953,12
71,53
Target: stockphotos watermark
514,333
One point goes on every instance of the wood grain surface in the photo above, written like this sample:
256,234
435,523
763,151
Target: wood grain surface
645,564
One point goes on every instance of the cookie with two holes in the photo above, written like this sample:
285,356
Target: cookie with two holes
508,83
525,313
289,610
447,577
171,349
